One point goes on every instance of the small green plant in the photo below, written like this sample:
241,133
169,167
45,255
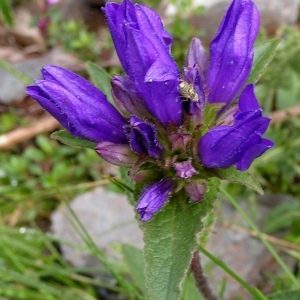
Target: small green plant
72,36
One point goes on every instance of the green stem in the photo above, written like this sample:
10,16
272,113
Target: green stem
256,293
260,235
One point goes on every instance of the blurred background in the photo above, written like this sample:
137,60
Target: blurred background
66,231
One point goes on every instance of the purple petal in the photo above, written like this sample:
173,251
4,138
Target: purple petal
85,92
153,197
185,169
78,106
143,140
150,24
231,52
117,154
196,190
197,56
180,140
36,93
123,90
195,77
252,153
224,146
117,15
248,99
156,80
150,21
143,47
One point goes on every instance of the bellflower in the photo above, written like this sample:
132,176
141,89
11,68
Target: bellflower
160,129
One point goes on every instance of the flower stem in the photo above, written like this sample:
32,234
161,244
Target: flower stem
200,278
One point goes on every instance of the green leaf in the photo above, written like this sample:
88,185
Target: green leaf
133,257
100,78
290,295
170,239
244,178
67,138
205,234
190,291
210,112
263,54
5,8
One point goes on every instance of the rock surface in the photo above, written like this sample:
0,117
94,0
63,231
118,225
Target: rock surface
273,13
12,89
109,219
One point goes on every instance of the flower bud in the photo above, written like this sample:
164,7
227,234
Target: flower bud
196,190
153,198
185,169
117,154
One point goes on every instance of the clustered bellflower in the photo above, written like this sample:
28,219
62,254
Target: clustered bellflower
163,135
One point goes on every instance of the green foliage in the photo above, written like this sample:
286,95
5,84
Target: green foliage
133,257
278,87
278,169
290,295
263,55
170,239
27,272
182,31
243,178
72,35
100,78
31,179
6,12
28,182
65,137
189,289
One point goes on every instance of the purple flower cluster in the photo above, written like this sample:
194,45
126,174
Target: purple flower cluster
165,139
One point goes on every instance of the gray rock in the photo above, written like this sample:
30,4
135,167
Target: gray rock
11,88
273,13
108,218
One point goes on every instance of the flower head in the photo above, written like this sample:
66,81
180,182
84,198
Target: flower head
170,144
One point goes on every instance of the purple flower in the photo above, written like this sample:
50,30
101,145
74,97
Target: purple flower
78,106
142,138
231,52
153,197
52,2
117,154
165,141
185,169
143,47
240,143
196,190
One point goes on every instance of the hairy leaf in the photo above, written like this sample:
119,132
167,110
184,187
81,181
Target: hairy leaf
263,54
100,78
244,178
170,239
133,257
